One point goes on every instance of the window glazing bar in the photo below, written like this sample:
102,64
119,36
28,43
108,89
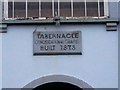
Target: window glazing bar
72,8
26,10
85,8
98,8
13,9
5,8
53,8
106,13
39,8
58,8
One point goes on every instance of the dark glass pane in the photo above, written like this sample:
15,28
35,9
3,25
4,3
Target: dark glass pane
92,8
101,8
19,9
78,8
33,9
65,9
57,86
46,9
10,9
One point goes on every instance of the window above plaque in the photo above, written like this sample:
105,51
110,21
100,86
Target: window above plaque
16,9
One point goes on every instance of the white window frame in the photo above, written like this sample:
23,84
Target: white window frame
53,8
26,9
5,9
72,8
39,8
106,9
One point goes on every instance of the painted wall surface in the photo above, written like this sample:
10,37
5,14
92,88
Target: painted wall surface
0,60
98,66
113,8
119,45
0,47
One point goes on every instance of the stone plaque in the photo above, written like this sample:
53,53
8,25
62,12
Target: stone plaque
57,43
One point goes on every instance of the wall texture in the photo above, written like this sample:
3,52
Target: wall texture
98,66
119,44
0,47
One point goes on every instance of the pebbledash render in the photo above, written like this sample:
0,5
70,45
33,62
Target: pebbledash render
52,44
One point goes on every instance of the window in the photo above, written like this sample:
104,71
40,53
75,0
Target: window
52,8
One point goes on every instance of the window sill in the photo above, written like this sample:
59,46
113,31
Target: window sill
61,21
111,24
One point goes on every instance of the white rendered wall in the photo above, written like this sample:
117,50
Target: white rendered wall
98,66
0,46
0,61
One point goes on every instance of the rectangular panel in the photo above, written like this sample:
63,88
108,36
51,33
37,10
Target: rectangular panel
65,9
57,43
33,8
46,9
92,8
19,9
10,9
78,8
